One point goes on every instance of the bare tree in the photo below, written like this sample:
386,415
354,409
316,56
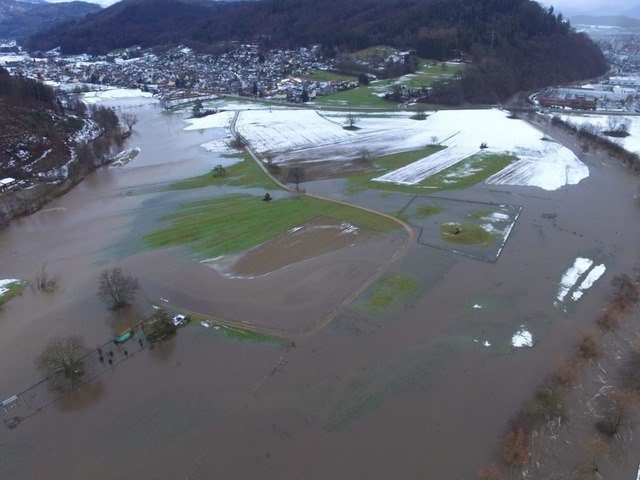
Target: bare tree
296,175
116,289
352,119
62,361
129,119
46,282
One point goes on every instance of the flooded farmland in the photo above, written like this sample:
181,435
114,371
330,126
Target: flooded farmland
381,386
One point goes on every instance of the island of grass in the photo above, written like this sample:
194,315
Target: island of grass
239,334
235,223
11,287
467,234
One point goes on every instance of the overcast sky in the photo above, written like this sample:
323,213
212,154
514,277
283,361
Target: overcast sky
611,6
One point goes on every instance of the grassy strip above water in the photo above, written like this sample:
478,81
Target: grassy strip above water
245,173
467,234
11,289
466,173
235,223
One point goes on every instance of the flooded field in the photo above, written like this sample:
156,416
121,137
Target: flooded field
403,364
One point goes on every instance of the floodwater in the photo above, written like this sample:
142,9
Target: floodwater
411,393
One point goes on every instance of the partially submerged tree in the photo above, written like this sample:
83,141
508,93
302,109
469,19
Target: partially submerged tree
62,361
296,175
129,119
46,282
116,289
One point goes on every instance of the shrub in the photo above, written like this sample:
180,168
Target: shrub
607,321
589,346
158,326
514,448
567,372
490,472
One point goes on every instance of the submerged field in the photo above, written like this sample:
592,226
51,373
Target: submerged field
404,341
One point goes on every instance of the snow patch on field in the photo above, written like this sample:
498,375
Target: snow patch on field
630,143
221,146
588,282
114,94
522,338
217,120
582,268
571,276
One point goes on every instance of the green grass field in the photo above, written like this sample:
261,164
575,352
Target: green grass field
235,223
245,173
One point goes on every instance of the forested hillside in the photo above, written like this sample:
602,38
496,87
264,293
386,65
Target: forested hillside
514,44
20,19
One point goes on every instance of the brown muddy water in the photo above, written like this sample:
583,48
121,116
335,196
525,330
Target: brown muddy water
412,392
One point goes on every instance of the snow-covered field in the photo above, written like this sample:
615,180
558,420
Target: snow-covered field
630,143
291,135
114,94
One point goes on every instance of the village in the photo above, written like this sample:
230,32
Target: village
244,71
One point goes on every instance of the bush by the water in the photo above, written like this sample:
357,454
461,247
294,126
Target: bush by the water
158,325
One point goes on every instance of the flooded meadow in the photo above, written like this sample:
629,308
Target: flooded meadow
398,359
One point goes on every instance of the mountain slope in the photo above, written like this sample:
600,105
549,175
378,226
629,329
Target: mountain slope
21,19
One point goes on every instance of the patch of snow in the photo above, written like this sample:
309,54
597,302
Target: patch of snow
588,282
216,120
205,324
571,276
522,338
486,343
477,306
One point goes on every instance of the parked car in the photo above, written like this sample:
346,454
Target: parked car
178,320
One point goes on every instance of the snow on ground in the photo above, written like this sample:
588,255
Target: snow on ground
522,338
220,145
588,282
282,130
543,164
116,94
298,134
572,275
216,120
630,143
582,268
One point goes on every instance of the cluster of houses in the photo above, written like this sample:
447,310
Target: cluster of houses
244,71
618,91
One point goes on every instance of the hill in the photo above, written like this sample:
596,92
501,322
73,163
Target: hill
607,20
20,19
515,44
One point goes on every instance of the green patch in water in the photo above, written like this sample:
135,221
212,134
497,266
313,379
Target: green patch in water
467,234
11,288
389,291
